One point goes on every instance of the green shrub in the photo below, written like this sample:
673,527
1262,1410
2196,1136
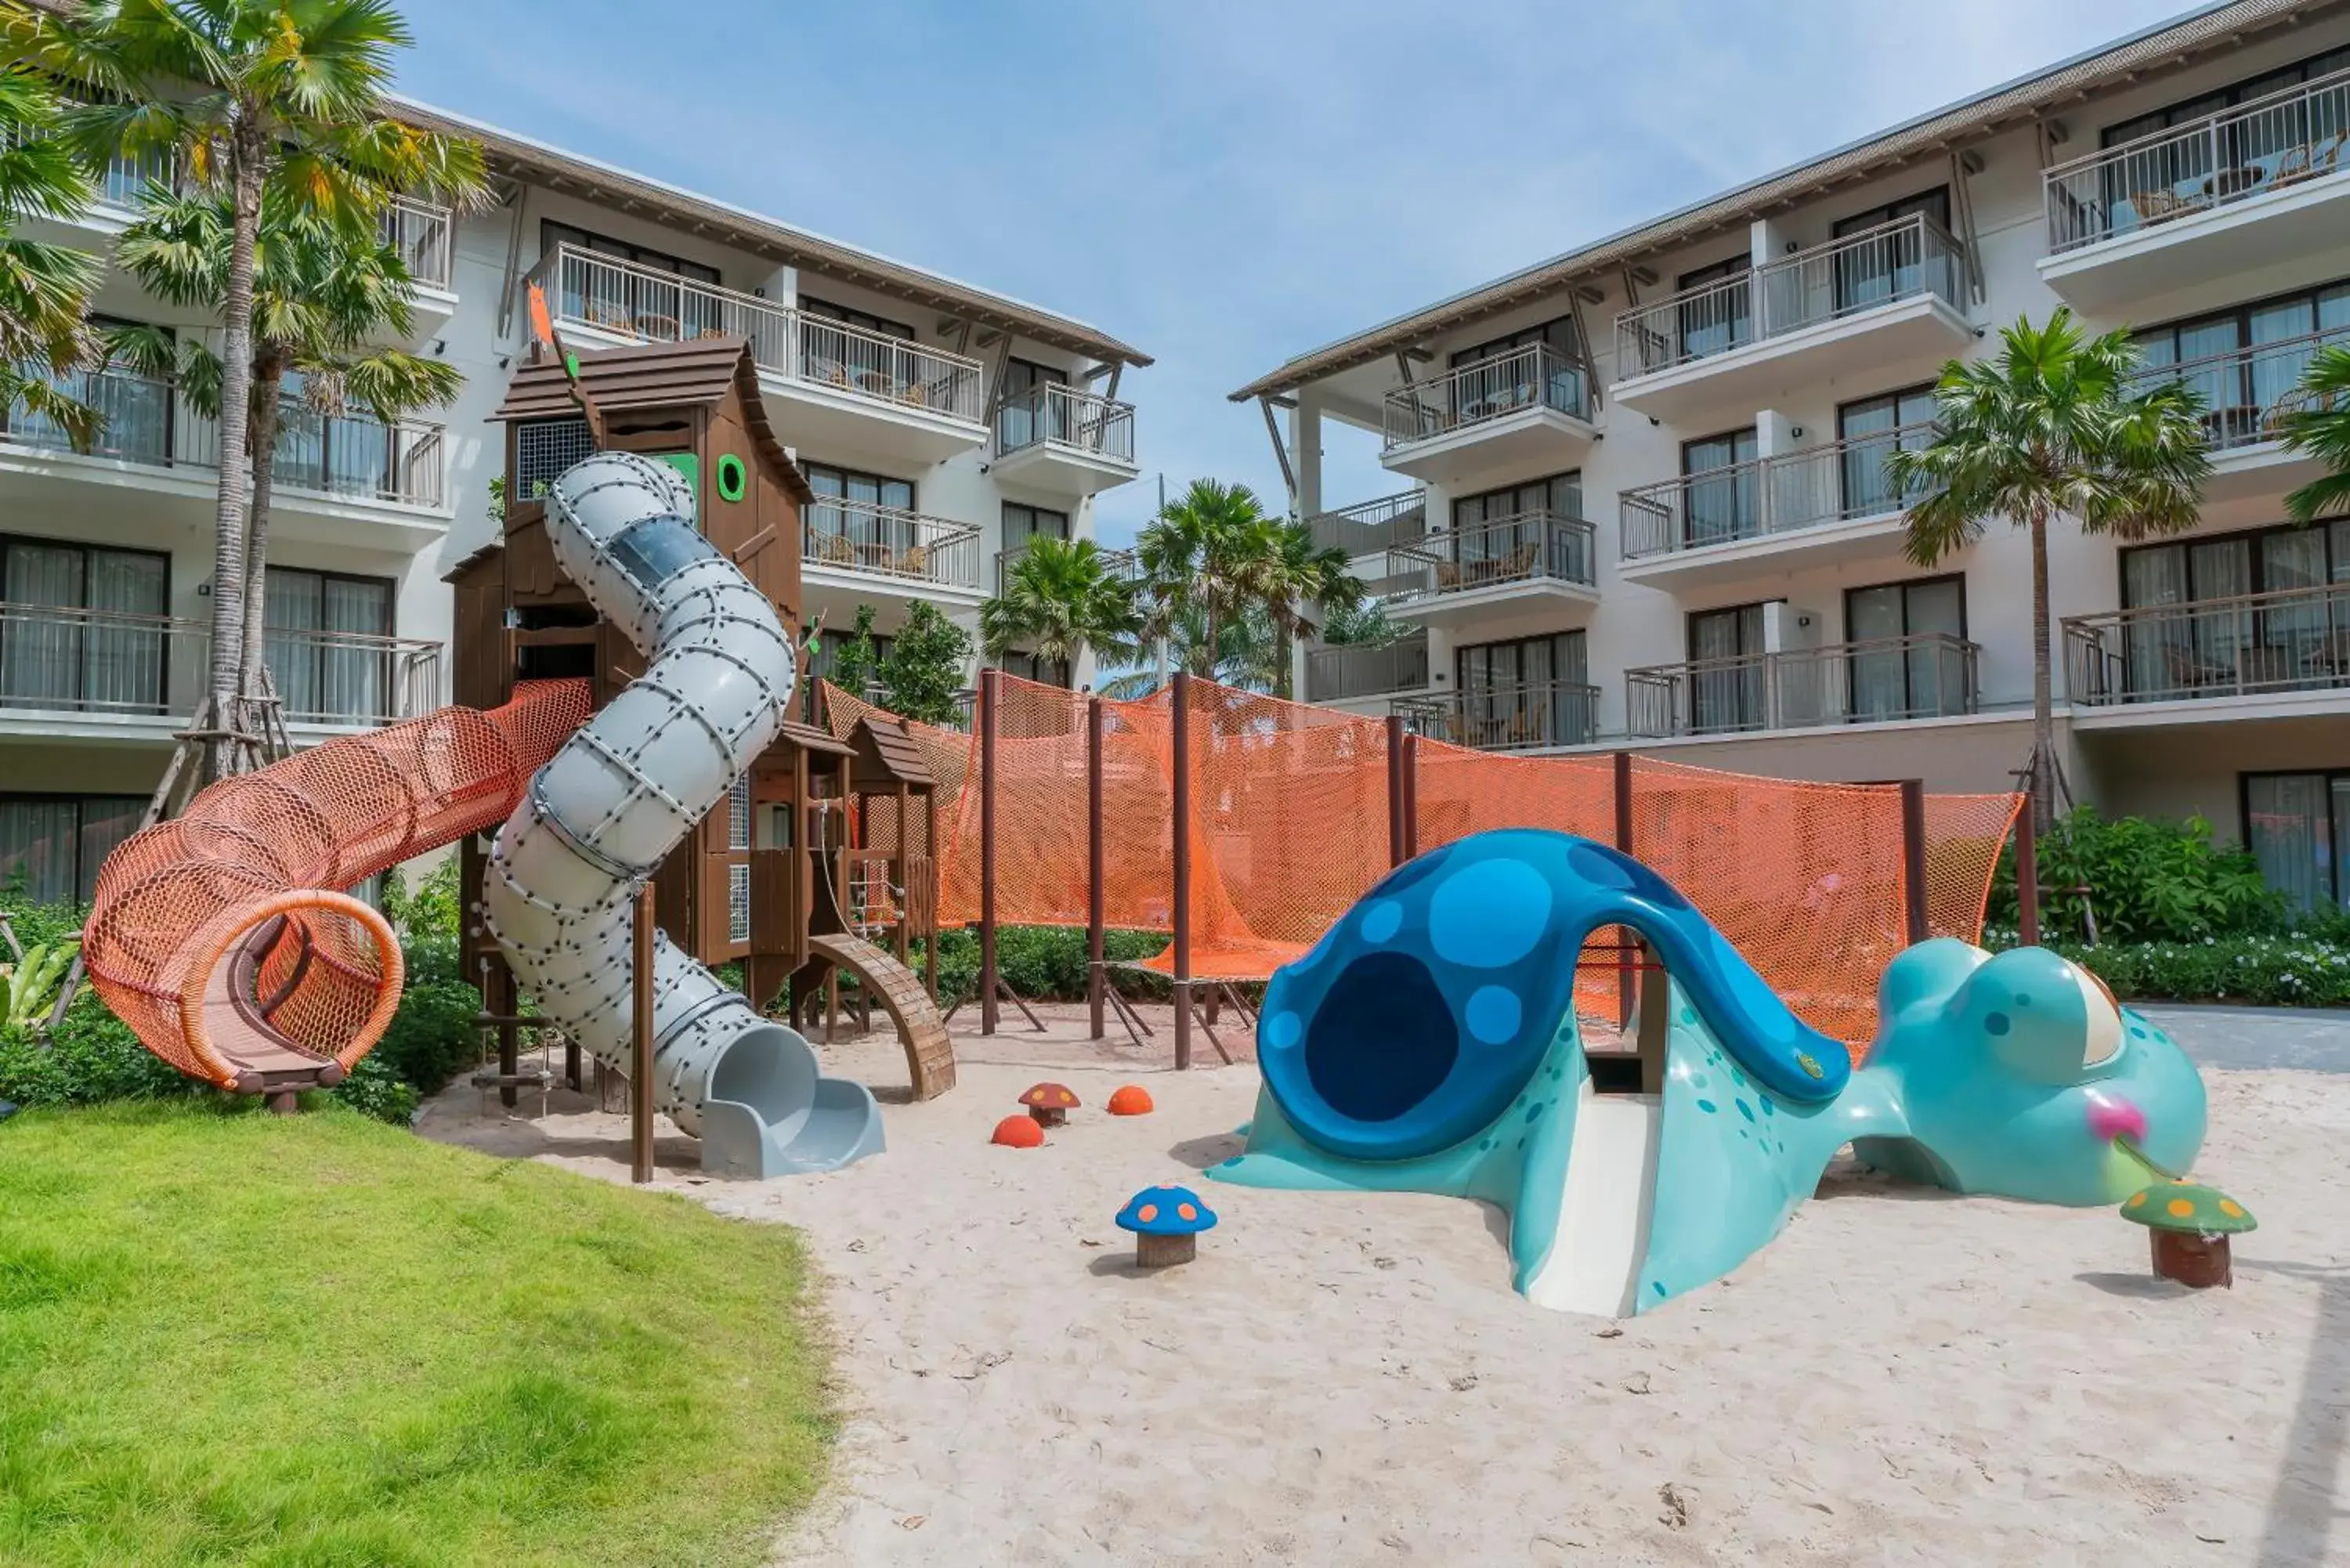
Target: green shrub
2146,882
431,1036
2299,968
91,1056
1043,963
434,910
375,1089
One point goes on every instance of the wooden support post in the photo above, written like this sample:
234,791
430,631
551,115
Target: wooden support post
1398,812
1097,858
934,873
509,1060
571,1069
1181,718
1626,962
1913,857
2027,876
1411,797
991,694
641,1056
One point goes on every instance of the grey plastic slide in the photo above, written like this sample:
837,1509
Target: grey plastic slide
621,794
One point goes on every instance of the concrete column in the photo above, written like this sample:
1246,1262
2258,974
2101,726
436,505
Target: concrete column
782,285
1774,434
1769,242
1305,450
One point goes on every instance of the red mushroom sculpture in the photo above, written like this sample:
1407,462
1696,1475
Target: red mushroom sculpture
1050,1103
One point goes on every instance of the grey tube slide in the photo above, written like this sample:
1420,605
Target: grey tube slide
622,793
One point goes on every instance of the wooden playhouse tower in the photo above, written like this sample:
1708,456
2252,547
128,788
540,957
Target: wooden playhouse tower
761,880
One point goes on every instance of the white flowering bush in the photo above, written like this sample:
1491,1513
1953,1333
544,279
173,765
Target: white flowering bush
2305,968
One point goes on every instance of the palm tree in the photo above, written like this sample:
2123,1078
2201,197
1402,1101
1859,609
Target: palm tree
44,289
241,94
2320,429
1247,655
2050,427
1299,575
1060,599
1204,558
322,295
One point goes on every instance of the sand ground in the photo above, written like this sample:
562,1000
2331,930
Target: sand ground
1903,1377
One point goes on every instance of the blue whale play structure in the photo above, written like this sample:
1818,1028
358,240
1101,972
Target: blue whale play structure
1429,1043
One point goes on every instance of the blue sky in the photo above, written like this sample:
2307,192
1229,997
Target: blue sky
1223,182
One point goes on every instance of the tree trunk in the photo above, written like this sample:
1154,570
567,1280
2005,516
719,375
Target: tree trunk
248,151
268,382
2043,719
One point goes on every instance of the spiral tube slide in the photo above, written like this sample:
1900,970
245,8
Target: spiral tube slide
624,791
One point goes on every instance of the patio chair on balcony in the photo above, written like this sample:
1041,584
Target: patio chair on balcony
834,549
1448,576
2310,159
2159,206
2191,674
914,562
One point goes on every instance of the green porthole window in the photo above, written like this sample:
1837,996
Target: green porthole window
733,479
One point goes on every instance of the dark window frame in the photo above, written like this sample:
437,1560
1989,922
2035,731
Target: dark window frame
589,240
1730,436
81,799
2245,812
1906,584
852,316
2251,536
163,652
1510,342
2231,97
1892,212
1554,638
1893,396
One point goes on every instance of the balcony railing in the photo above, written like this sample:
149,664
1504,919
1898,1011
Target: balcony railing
1837,482
2269,144
126,176
1905,259
2297,639
1122,565
1066,417
1506,718
1536,376
2248,392
584,289
1930,676
420,232
884,542
57,660
147,422
1371,526
1346,672
1531,547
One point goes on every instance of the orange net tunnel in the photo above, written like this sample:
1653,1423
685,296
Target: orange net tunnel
1290,821
220,937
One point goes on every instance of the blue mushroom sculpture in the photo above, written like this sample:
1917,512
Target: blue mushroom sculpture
1166,1222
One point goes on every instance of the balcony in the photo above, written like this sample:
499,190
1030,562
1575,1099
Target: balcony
1521,718
867,547
831,387
2246,656
2247,395
68,673
337,478
1064,441
1371,528
1536,565
1931,675
1527,410
1825,506
2264,187
424,233
1870,302
1349,673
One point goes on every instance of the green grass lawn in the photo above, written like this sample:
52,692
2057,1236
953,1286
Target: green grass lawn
320,1342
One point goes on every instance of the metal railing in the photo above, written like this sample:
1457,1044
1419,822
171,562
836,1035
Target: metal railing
2269,144
1068,417
1904,259
1371,526
420,232
2249,392
1123,565
1928,676
1344,672
1531,546
2295,639
1536,376
1505,718
147,422
1837,482
125,178
885,542
60,659
584,289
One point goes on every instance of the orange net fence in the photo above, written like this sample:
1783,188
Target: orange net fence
218,936
1289,825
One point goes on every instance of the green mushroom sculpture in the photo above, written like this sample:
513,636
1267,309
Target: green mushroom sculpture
2190,1225
1166,1222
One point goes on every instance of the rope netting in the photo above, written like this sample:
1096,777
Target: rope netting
218,936
1289,826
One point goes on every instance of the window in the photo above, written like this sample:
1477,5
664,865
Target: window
1021,526
1892,266
2247,362
1726,688
1907,680
2287,140
2215,639
1532,692
552,234
2229,96
1869,431
2297,826
1555,380
1027,416
84,629
1028,667
51,846
137,409
849,316
623,296
1720,318
859,354
858,519
326,645
1722,507
824,657
1522,529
